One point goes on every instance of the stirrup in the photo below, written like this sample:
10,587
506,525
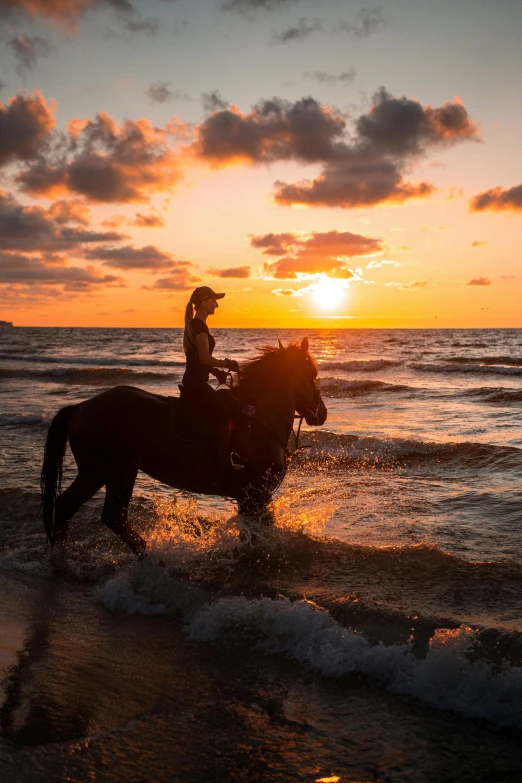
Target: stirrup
235,461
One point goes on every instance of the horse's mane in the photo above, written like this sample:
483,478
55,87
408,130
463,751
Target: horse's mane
265,370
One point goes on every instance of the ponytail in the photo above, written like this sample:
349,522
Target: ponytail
189,315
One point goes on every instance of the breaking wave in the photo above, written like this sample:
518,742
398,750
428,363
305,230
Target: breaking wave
360,365
481,369
324,445
340,387
87,376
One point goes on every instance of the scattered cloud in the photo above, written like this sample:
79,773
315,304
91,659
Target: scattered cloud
105,162
29,270
298,32
378,263
148,25
416,284
480,281
478,244
331,78
72,210
160,92
367,22
247,6
148,258
152,220
26,123
64,13
179,279
508,277
317,253
28,50
212,101
234,271
273,130
35,229
498,200
287,291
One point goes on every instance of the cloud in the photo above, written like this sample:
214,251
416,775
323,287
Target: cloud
153,220
28,270
179,280
299,32
369,169
478,244
408,286
72,210
26,123
148,25
106,163
35,229
28,50
234,271
363,168
287,291
148,258
246,6
273,130
160,92
479,281
331,78
212,101
316,253
367,22
64,13
498,200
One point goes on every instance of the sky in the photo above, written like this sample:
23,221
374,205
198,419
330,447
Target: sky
325,165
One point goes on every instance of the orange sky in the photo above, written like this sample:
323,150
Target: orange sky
261,157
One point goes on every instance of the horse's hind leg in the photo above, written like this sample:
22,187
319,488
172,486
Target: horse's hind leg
116,507
84,486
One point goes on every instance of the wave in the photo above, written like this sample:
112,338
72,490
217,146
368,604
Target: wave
324,445
340,387
494,394
88,376
447,677
360,365
466,368
508,361
94,361
10,419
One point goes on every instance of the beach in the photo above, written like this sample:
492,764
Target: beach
374,634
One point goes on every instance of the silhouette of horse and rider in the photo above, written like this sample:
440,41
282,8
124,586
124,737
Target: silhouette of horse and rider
230,442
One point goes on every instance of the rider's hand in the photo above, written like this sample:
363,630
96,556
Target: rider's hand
231,364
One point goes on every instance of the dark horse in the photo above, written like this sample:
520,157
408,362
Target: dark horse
124,430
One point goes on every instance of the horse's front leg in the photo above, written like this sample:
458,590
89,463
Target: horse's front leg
255,497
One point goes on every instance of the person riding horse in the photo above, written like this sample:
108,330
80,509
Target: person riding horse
198,345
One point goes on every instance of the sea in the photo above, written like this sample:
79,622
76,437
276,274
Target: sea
383,609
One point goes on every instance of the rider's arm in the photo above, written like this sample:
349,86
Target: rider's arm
204,353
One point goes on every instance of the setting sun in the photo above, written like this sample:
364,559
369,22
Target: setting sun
328,293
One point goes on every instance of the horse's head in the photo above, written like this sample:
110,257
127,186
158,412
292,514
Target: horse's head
303,372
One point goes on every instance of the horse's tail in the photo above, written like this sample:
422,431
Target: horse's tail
51,475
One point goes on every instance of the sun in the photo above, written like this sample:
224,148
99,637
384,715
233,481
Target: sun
328,293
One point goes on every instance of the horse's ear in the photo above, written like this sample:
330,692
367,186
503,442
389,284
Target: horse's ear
281,346
304,345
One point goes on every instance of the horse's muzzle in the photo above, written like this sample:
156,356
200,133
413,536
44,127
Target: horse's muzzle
316,417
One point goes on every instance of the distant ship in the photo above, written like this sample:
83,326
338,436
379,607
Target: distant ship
6,323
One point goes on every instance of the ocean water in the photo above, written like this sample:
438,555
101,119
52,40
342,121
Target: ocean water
397,551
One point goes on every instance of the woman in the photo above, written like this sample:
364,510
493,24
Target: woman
198,345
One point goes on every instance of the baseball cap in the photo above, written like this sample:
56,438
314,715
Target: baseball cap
204,292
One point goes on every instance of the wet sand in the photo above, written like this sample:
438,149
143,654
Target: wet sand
89,694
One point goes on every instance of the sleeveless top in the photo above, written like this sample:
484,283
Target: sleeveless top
196,373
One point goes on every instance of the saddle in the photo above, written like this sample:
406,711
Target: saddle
190,424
